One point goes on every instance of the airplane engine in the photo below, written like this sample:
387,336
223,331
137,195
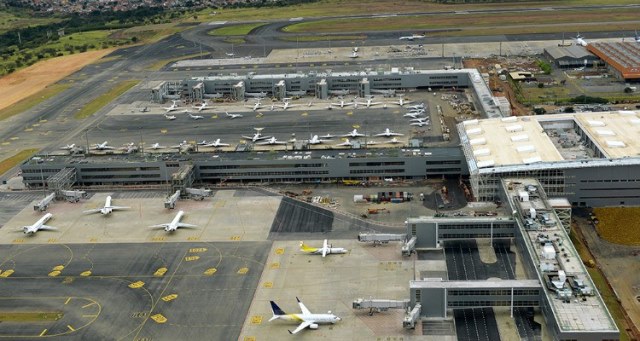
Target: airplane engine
313,326
25,230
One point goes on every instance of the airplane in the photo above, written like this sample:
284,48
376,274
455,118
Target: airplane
170,117
271,141
394,141
327,136
232,116
256,105
354,133
306,318
326,249
257,136
156,146
299,93
315,140
174,224
39,225
107,208
181,145
412,37
413,114
286,104
342,92
215,143
256,94
401,102
144,109
385,92
129,148
354,55
580,40
342,103
102,146
172,107
195,117
348,143
203,106
369,102
416,106
420,122
388,133
69,147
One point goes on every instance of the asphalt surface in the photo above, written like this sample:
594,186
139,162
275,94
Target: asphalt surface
295,216
96,290
12,203
463,262
476,324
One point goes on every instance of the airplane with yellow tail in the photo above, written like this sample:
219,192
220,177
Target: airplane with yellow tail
324,250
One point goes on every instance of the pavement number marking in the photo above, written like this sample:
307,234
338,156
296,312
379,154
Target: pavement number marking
235,237
279,251
267,285
157,239
274,266
193,238
6,273
243,271
18,241
85,273
139,314
93,240
170,298
191,258
210,271
52,240
160,272
256,319
249,338
159,318
198,250
349,113
136,285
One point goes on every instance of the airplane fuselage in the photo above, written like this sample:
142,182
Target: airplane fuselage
315,318
37,225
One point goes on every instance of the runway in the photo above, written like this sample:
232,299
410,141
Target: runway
153,291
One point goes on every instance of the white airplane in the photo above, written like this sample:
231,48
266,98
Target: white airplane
305,318
420,122
315,140
285,104
195,117
203,106
129,148
172,107
342,104
107,208
170,117
580,40
69,146
256,94
354,133
394,141
216,143
174,224
229,54
180,145
102,146
388,133
327,136
401,102
354,55
416,106
39,225
257,136
349,143
257,105
156,146
232,116
412,37
369,103
413,114
326,249
271,141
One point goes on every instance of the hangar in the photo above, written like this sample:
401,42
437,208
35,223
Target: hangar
573,56
623,59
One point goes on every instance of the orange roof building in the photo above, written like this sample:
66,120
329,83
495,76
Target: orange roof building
622,58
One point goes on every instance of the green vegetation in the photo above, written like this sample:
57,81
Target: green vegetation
310,38
235,30
104,99
16,20
611,301
33,100
30,316
10,162
234,40
544,66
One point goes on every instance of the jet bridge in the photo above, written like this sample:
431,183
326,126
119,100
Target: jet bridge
182,178
171,200
62,181
377,305
43,204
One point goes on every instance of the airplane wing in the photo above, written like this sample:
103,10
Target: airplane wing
325,248
95,210
302,326
381,134
120,207
264,143
47,228
185,225
159,226
303,309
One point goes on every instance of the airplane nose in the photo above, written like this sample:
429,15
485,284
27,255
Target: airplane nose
338,318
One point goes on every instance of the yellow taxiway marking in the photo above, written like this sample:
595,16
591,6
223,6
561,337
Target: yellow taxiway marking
159,318
169,298
249,338
160,272
67,301
157,239
210,271
235,238
243,271
14,138
54,273
89,315
356,126
18,240
88,305
58,267
43,332
267,285
191,258
6,273
136,285
256,319
71,328
28,129
85,273
198,250
164,131
304,114
93,240
279,251
52,240
274,266
193,238
68,280
349,113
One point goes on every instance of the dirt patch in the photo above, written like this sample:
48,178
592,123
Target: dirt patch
619,225
26,82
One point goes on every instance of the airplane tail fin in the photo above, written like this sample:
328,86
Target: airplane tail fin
277,312
306,248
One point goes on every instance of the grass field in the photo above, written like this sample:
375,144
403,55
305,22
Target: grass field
620,225
235,30
10,21
10,162
33,100
105,99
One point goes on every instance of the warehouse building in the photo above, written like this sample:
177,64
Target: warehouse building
574,56
622,59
